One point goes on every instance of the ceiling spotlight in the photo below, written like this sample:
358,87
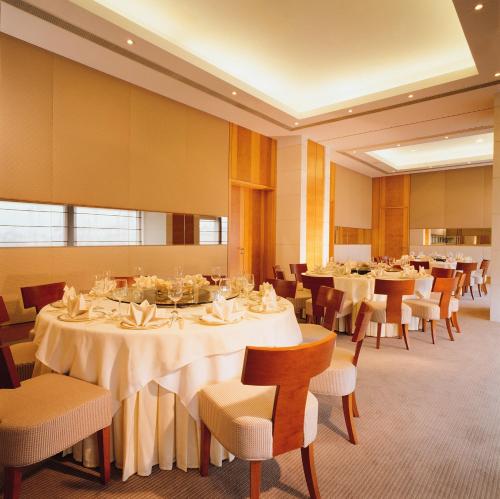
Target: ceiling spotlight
497,74
479,6
446,137
130,41
234,92
398,145
410,96
296,123
350,110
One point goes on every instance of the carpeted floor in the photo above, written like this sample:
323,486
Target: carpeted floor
429,428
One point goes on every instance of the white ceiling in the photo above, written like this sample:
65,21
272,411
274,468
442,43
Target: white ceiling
306,58
457,108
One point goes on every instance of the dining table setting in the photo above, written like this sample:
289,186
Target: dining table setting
154,343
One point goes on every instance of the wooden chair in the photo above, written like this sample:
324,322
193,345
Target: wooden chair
467,268
440,272
278,272
284,288
455,300
479,276
297,269
434,310
339,380
11,333
45,415
314,311
269,412
417,264
41,295
394,311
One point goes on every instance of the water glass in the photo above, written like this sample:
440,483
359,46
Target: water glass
175,292
225,287
249,283
216,275
120,292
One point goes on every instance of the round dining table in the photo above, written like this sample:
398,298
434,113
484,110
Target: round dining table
154,376
358,288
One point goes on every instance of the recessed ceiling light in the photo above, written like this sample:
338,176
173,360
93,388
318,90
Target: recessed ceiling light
350,110
410,96
497,74
479,6
446,137
234,92
296,123
398,145
130,41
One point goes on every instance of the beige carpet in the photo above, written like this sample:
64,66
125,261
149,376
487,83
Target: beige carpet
429,428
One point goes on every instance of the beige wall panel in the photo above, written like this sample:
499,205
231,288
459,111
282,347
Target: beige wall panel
25,121
205,181
353,199
427,200
487,199
157,152
91,136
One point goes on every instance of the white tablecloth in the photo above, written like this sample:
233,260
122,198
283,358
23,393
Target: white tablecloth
154,376
358,288
443,265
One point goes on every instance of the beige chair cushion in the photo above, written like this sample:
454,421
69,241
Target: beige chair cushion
24,358
239,417
346,308
379,316
299,302
48,414
429,309
339,379
312,332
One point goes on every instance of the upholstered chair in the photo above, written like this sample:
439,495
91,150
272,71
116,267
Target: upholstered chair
478,277
467,268
278,272
393,310
270,411
283,288
302,294
433,310
43,416
41,295
420,264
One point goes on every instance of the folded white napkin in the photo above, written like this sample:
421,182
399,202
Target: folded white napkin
140,315
103,287
69,293
269,301
223,310
421,271
78,306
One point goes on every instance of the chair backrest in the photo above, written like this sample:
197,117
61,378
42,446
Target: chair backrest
284,288
439,272
485,265
445,286
417,264
314,283
8,372
467,268
278,272
395,290
130,279
297,269
41,295
290,370
331,300
362,321
460,276
4,315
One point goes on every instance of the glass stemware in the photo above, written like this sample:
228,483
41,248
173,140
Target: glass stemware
249,283
138,271
175,293
225,287
120,292
216,275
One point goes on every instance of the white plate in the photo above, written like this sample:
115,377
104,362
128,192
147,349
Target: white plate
219,322
58,304
80,318
151,325
256,309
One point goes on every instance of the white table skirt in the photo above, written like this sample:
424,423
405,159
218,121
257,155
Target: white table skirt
154,377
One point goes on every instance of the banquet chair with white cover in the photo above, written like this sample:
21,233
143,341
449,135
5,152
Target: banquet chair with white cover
442,272
479,276
284,288
278,272
302,295
45,415
467,268
433,310
392,311
339,380
270,411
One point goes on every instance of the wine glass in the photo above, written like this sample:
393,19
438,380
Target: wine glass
138,271
225,287
249,283
216,275
175,293
120,292
178,272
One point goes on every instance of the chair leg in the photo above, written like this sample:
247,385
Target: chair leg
103,445
379,334
450,332
255,468
454,315
485,289
348,323
355,411
423,325
479,290
206,437
310,471
404,327
12,483
348,414
471,292
433,332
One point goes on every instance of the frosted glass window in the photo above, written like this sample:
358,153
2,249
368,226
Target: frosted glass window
32,224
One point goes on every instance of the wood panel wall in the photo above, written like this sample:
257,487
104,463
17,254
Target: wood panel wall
390,215
252,220
315,203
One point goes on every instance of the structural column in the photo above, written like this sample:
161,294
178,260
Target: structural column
495,218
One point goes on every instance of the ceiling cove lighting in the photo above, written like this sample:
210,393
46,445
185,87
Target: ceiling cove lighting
474,148
130,41
292,74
